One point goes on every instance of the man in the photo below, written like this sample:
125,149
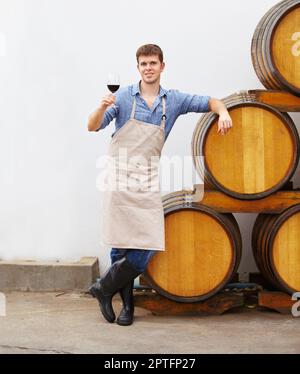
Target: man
133,217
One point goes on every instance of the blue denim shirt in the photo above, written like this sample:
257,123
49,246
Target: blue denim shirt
177,103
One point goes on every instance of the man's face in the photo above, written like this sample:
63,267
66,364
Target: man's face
150,68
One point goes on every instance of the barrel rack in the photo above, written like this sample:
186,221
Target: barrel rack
246,295
258,293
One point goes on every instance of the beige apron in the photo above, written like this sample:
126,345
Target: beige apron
133,215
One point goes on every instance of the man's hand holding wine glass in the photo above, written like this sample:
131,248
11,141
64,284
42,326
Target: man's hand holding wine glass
107,101
96,118
113,84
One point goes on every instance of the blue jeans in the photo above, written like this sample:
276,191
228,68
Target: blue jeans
138,258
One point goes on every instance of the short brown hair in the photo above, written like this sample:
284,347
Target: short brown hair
149,50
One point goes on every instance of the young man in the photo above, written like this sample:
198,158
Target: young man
133,217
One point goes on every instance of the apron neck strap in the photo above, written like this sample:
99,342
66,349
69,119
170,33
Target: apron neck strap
163,118
133,108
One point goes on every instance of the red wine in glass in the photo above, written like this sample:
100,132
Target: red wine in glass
113,87
113,82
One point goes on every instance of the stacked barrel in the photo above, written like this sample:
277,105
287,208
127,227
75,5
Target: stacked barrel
203,250
276,247
275,47
275,54
254,160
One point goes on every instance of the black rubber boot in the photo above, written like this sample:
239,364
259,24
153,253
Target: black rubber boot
126,315
118,276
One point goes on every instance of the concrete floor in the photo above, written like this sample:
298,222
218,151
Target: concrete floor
71,323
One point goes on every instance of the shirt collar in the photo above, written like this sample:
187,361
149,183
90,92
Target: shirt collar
136,90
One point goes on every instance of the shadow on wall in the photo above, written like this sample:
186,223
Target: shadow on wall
246,222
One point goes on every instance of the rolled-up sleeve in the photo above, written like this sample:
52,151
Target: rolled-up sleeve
109,115
192,103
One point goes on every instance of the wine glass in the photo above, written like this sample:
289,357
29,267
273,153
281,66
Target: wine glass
113,82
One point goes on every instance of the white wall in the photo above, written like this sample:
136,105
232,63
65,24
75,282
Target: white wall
53,67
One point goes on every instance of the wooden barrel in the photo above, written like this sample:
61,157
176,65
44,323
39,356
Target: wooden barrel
276,248
257,157
203,250
275,48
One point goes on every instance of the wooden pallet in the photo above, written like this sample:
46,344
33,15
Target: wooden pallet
276,300
281,100
215,305
273,204
270,297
